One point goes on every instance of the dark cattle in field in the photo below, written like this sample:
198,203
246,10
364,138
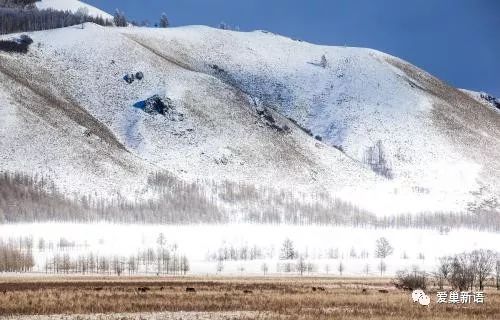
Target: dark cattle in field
143,289
383,291
364,290
401,287
162,288
247,291
190,290
98,289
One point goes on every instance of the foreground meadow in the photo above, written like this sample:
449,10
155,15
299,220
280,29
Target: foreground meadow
225,298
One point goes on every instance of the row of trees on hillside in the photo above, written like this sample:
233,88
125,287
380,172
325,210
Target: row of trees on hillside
15,20
17,17
24,198
20,4
121,21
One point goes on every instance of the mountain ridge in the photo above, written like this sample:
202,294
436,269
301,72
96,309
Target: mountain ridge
237,93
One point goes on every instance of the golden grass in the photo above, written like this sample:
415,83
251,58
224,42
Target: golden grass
277,298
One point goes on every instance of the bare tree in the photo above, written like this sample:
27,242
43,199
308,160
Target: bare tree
185,267
132,265
220,266
366,269
443,271
376,158
497,270
462,272
383,248
264,268
382,267
341,268
301,265
81,13
484,263
288,251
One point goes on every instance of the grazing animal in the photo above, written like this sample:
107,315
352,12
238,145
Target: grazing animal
314,289
247,291
321,289
190,290
383,291
143,289
98,289
364,290
405,288
162,288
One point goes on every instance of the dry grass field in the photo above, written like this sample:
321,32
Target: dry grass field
225,298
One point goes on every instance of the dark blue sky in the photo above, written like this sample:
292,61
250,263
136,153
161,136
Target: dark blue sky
456,40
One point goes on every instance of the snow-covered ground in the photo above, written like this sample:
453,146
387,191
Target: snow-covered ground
73,6
442,151
321,245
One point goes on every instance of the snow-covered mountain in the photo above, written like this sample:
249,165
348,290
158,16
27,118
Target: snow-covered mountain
73,6
253,108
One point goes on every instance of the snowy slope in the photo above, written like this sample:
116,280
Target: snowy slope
441,145
484,98
73,6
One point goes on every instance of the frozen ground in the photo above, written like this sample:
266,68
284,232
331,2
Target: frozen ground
321,245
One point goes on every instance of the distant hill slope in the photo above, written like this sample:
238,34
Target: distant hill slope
73,6
249,108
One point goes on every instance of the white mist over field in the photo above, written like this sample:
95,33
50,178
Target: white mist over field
323,246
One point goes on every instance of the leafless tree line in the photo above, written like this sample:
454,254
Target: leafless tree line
469,270
232,253
463,272
22,20
13,259
150,261
25,198
29,244
20,4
